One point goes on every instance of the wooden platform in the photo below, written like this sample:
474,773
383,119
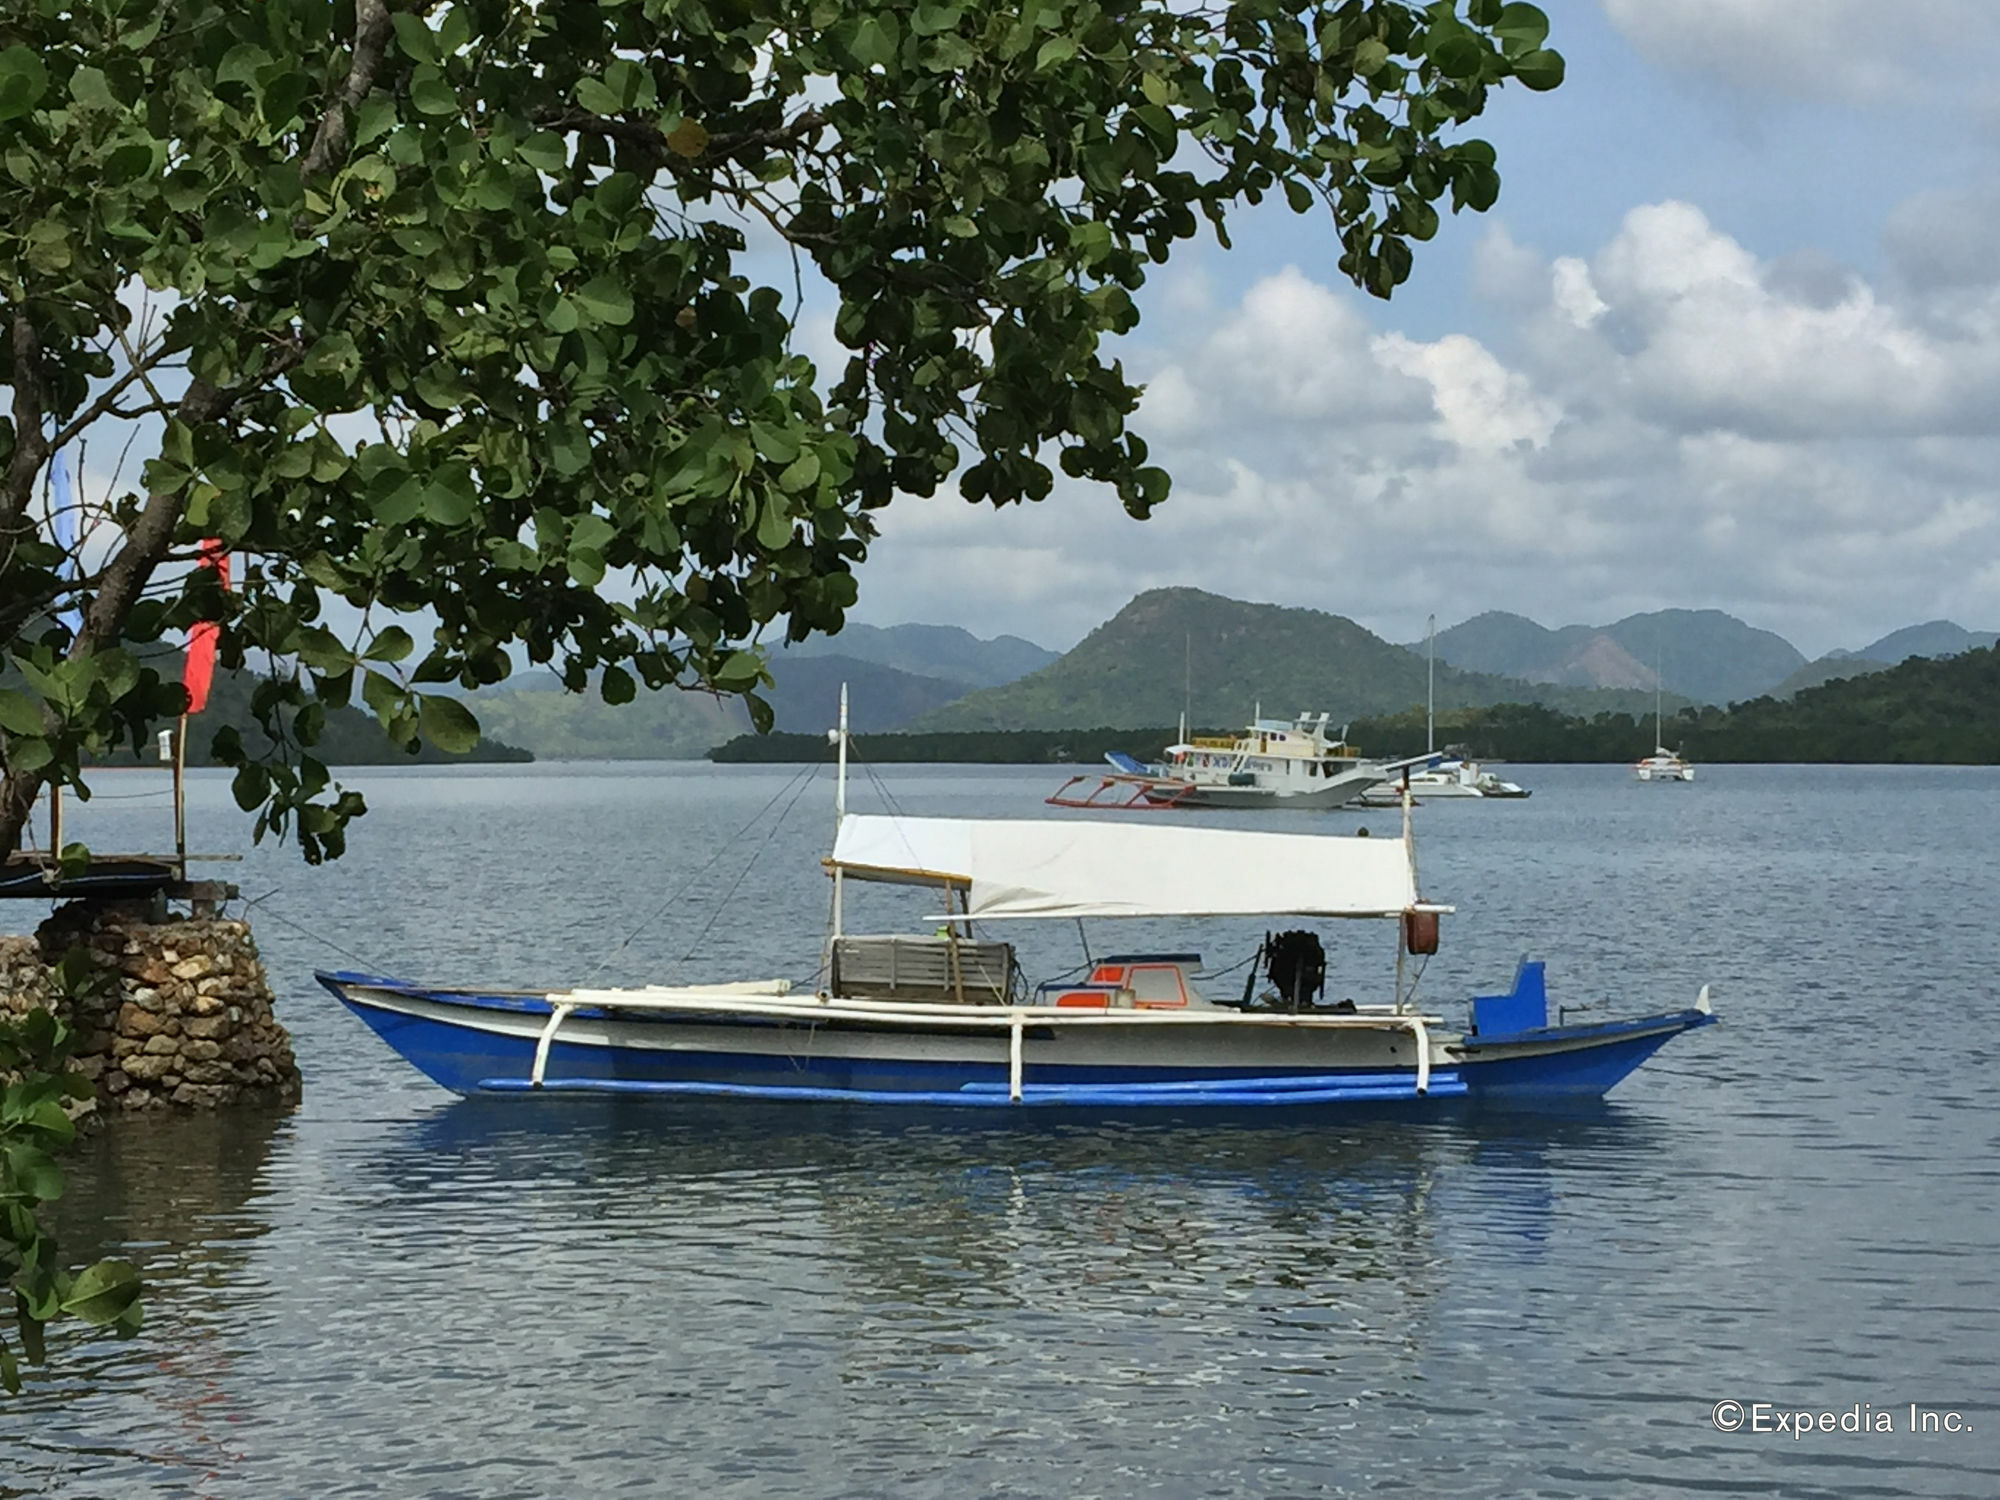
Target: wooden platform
36,877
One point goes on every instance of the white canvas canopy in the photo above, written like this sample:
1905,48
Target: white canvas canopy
1074,868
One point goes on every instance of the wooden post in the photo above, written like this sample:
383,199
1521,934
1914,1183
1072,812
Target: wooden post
951,940
180,798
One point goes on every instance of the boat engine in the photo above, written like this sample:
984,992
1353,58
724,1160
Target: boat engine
1296,964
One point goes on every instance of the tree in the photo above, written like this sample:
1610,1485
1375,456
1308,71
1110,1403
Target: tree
452,315
451,312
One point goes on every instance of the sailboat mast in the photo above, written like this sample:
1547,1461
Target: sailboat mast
1659,683
839,805
1431,694
1187,682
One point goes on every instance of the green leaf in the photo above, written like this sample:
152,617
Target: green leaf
1054,52
1539,70
873,46
586,566
595,97
545,151
28,753
447,503
90,90
391,643
592,531
415,38
18,714
779,444
23,80
433,96
774,525
1521,28
617,686
383,695
33,1172
1458,56
102,1293
605,301
801,474
250,786
739,671
447,723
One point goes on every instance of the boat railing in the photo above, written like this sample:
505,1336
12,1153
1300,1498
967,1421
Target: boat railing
943,968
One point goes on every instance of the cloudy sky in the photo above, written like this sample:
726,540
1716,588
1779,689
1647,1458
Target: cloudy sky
1730,339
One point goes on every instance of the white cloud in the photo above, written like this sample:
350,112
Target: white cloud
1855,51
1575,297
1670,421
1712,338
1480,403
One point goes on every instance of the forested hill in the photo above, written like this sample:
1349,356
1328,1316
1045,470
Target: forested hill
1224,659
1925,711
1930,712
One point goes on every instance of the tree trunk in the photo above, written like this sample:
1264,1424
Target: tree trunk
18,790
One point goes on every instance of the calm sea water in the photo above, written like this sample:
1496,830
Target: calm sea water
390,1292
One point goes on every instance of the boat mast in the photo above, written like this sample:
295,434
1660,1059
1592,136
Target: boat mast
1431,696
839,802
1187,681
1659,729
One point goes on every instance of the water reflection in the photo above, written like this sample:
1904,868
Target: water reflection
941,1236
393,1295
178,1196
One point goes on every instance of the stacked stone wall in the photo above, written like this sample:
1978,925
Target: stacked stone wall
178,1014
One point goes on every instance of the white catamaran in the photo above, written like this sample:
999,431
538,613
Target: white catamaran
1663,764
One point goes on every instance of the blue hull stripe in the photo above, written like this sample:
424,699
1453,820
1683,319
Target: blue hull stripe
1443,1085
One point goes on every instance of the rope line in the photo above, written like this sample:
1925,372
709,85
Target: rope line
799,780
258,903
749,865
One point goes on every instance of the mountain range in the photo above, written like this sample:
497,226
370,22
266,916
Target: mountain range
1704,655
893,674
1221,660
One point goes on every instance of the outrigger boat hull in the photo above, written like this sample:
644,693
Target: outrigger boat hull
696,1043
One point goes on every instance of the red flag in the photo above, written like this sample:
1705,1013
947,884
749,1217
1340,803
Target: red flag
202,636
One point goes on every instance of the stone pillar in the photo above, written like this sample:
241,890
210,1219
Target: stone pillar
180,1013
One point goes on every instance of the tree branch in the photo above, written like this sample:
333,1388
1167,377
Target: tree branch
371,37
31,444
147,543
105,404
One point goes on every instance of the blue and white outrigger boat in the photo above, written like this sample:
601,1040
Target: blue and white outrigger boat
946,1019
